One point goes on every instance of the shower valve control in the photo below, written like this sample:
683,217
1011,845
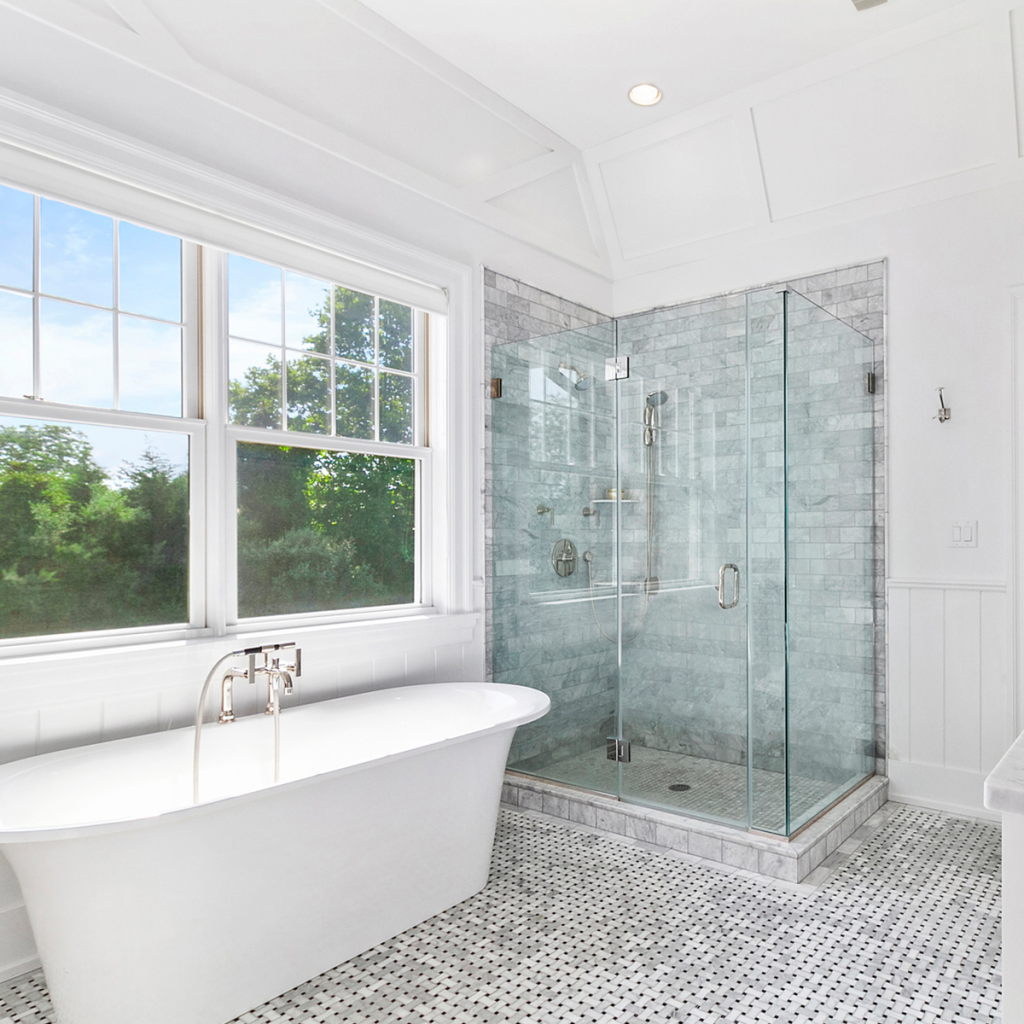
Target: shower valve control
563,558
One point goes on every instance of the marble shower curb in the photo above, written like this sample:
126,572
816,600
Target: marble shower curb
791,861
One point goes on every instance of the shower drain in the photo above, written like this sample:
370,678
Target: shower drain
679,787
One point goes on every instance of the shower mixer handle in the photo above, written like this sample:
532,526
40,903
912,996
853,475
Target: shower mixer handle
735,586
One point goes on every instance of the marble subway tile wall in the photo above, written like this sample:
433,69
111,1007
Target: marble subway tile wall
550,444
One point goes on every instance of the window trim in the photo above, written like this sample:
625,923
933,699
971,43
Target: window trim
212,443
186,202
215,264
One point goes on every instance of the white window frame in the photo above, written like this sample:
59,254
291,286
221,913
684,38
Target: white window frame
212,595
215,268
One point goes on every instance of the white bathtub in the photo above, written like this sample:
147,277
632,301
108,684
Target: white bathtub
148,909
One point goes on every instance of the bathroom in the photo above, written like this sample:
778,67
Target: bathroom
828,147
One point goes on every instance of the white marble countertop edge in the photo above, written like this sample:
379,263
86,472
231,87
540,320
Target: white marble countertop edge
1004,787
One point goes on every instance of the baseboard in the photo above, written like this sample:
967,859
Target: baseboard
942,789
16,970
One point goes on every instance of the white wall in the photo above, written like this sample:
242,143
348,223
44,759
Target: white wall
951,267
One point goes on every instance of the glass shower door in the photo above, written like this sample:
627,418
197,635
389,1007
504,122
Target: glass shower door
552,462
682,485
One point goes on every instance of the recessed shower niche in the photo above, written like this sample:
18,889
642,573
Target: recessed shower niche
717,467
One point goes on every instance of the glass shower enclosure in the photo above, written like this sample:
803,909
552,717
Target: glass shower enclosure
685,556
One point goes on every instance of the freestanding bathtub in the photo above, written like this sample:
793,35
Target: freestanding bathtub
148,909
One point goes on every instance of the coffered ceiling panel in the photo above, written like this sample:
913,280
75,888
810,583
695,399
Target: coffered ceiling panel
682,189
553,203
570,63
302,54
105,10
921,114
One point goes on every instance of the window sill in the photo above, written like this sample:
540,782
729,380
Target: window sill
357,638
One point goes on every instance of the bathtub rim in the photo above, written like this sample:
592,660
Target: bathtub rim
48,833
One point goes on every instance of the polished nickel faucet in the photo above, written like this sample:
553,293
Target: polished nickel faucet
278,676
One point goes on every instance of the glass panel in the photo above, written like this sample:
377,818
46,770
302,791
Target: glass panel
76,253
307,313
395,335
16,237
254,384
766,531
395,408
150,272
149,366
15,345
835,570
354,401
76,354
323,530
309,393
353,325
254,300
682,502
95,528
553,456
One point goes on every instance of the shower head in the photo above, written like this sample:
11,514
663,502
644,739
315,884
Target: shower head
580,381
655,398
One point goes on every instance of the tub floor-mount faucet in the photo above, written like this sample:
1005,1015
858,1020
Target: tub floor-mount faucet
278,676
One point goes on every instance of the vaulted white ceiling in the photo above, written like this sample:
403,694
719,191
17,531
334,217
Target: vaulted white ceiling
778,115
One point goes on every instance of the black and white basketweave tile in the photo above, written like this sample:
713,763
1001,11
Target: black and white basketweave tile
577,928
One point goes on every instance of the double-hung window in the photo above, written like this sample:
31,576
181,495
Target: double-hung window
326,410
292,425
98,434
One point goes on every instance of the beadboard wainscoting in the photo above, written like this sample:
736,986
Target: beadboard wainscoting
951,701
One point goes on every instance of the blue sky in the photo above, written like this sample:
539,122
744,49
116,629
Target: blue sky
76,341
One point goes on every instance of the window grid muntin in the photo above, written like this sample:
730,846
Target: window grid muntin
37,296
417,318
202,384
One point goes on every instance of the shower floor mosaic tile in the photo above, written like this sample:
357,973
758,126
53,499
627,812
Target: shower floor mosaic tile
576,927
717,789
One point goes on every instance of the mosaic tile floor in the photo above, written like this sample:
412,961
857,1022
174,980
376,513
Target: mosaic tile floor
581,928
717,789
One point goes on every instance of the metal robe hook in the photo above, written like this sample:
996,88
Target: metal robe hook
944,410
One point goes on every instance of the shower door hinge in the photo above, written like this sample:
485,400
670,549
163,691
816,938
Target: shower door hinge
869,383
495,387
616,368
617,750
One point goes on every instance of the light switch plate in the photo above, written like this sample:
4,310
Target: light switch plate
964,534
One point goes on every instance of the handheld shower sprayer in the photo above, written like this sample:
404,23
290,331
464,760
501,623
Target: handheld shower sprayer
654,399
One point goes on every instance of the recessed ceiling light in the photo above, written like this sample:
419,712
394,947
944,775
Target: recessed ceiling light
645,95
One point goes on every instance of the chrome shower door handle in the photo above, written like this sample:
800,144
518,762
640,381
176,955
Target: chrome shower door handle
735,586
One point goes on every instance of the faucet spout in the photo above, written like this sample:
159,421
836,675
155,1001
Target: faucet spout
227,712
